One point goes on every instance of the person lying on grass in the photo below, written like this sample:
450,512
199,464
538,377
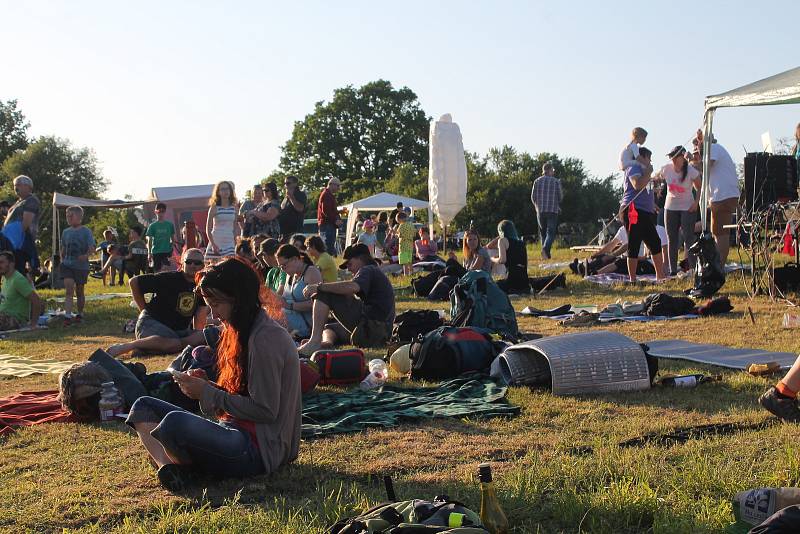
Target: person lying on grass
256,398
174,317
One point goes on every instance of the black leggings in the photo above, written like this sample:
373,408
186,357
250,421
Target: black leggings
643,230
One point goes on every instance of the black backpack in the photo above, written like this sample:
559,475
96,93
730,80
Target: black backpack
450,351
661,304
422,285
411,324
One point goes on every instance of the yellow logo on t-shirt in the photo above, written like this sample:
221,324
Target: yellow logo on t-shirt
186,303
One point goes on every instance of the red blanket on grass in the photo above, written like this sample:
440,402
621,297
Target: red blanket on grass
31,408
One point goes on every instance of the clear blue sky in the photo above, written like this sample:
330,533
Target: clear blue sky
180,92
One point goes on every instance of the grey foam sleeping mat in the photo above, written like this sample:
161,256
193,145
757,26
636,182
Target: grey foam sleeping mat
677,349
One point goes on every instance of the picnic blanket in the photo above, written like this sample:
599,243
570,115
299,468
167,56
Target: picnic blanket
732,358
31,408
610,318
355,410
554,266
98,296
20,366
617,278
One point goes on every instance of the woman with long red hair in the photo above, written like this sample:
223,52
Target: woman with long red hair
256,397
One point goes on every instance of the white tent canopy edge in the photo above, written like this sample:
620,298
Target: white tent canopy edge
61,200
379,202
782,88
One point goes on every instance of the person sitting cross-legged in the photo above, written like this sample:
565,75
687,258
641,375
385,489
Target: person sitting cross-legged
256,397
165,322
20,305
363,307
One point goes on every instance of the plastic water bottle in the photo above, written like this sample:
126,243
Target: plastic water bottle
689,381
110,402
378,373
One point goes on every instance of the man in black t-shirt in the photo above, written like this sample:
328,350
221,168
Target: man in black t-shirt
363,307
174,317
293,208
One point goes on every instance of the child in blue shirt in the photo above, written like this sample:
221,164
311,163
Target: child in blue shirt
77,242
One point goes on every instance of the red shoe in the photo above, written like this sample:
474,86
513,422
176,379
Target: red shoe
67,321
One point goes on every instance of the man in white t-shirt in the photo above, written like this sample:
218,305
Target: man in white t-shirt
724,196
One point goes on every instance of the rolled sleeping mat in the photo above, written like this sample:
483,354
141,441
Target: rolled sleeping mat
579,363
521,368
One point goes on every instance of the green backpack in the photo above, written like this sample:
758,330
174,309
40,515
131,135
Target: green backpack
477,301
413,517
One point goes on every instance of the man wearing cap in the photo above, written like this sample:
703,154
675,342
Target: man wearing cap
22,224
174,316
363,307
546,198
160,238
328,215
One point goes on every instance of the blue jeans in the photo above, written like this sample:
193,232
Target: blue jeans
219,449
548,225
328,234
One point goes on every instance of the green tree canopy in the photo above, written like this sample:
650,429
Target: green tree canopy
54,165
361,136
13,129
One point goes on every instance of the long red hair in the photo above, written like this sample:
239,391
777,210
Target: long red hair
236,281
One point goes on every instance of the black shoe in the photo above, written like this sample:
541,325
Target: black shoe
780,406
574,266
175,478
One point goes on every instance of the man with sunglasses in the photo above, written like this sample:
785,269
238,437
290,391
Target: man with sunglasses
293,208
174,316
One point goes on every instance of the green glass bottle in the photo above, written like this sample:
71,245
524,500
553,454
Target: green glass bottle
492,515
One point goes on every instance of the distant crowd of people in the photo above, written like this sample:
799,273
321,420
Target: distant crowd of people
659,210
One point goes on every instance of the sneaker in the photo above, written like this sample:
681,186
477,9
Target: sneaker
97,275
175,478
780,406
67,321
582,318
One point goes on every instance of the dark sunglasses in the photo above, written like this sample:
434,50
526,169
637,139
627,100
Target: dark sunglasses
193,262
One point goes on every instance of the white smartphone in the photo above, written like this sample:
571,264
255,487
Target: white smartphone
175,373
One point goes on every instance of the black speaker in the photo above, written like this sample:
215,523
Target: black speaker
768,179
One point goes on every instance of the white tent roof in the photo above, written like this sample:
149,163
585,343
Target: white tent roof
385,201
60,200
165,194
379,201
783,88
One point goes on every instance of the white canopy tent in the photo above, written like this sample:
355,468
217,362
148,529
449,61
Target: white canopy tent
63,201
379,202
783,88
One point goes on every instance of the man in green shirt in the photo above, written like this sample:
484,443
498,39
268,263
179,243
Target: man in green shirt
19,303
160,238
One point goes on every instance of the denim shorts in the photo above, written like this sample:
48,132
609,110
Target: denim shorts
147,326
219,449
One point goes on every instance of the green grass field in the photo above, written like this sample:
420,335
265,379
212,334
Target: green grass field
96,478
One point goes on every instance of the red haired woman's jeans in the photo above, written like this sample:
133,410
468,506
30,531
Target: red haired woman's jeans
218,449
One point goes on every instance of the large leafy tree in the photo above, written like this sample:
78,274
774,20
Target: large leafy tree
55,166
13,129
361,136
